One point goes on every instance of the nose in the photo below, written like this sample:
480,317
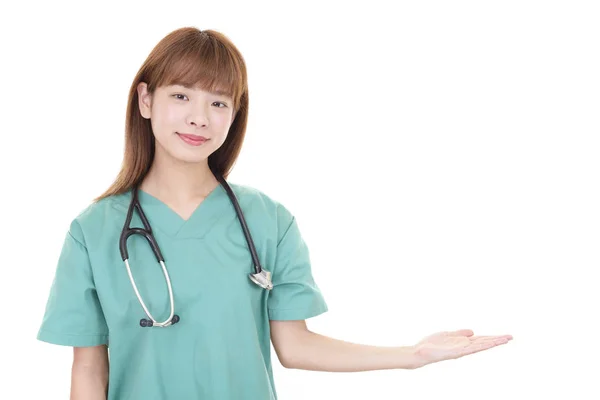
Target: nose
197,118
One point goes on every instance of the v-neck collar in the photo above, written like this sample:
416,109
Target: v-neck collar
161,216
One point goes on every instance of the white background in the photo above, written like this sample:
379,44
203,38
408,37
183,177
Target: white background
442,159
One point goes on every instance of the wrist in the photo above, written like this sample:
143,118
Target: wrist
406,357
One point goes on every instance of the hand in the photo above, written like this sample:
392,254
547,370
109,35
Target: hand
449,345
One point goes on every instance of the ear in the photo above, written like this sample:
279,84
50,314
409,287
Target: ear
144,100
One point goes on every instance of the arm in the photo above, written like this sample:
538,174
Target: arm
299,348
89,374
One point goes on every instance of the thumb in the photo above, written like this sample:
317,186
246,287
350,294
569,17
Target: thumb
461,332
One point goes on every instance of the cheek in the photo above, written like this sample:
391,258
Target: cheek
224,122
221,124
164,122
172,116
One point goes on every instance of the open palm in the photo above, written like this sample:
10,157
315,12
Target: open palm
449,345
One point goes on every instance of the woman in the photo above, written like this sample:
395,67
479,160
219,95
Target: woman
189,306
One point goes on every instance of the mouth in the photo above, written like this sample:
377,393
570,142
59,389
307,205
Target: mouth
194,140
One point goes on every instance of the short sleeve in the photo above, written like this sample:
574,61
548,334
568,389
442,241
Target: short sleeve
73,315
295,295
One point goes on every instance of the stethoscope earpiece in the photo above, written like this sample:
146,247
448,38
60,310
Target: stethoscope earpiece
146,323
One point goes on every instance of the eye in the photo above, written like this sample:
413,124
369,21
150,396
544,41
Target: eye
217,102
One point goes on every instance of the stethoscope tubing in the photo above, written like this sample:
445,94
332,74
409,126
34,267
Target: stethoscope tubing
261,277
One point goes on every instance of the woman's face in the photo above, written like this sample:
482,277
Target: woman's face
180,116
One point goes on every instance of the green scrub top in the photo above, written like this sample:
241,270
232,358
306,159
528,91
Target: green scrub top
220,349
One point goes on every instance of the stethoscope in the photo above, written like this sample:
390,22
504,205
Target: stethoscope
261,276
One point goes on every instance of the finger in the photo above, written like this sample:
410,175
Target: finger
508,337
501,337
478,347
488,339
483,344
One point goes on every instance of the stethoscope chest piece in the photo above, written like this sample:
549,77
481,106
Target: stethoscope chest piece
262,279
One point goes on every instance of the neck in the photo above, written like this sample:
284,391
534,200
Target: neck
177,180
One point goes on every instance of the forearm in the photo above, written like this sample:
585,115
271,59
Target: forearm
88,383
316,352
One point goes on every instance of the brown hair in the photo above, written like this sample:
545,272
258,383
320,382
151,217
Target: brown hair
193,58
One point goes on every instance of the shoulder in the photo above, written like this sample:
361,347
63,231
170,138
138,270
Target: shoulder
264,204
97,217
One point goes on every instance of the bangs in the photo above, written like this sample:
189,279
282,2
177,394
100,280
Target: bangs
204,64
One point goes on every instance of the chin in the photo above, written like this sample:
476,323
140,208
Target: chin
191,159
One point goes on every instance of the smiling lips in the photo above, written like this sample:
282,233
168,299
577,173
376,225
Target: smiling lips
194,140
